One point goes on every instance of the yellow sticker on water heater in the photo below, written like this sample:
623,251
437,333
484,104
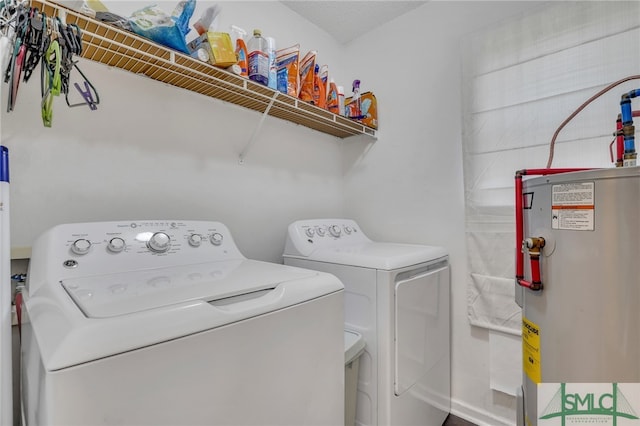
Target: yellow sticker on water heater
531,350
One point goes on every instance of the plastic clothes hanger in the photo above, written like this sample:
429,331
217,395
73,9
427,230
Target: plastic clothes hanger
89,94
73,41
51,82
14,70
36,42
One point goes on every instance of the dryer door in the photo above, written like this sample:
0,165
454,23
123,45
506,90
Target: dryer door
421,322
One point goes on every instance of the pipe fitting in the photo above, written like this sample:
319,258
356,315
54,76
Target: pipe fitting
629,95
534,245
536,286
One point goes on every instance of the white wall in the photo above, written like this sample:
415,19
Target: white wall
154,151
408,185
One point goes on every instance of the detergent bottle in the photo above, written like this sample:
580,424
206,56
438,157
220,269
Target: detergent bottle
333,103
319,90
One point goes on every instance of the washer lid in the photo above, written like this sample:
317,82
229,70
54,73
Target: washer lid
385,256
117,294
85,319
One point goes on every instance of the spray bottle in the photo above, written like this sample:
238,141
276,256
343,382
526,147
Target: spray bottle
355,109
206,20
241,49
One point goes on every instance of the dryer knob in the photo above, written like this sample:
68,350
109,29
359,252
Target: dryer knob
335,231
320,230
81,246
216,239
310,232
159,242
195,240
116,245
347,230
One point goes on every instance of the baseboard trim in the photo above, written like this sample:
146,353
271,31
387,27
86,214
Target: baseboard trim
478,417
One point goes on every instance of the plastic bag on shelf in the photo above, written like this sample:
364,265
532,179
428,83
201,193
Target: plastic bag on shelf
169,30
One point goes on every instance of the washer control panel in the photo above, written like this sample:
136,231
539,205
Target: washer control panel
139,237
110,247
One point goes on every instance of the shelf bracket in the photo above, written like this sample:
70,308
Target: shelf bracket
256,131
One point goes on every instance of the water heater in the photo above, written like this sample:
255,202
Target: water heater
581,321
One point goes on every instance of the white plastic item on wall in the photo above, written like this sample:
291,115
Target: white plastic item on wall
6,385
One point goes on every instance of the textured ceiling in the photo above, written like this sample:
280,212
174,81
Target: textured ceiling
347,20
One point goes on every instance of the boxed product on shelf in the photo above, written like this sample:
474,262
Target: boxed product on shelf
214,48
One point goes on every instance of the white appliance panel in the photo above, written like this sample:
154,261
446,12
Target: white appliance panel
360,315
428,400
225,376
421,318
384,256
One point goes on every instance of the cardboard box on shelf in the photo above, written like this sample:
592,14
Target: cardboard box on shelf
215,48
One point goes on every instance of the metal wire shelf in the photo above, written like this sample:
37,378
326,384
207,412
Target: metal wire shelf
114,47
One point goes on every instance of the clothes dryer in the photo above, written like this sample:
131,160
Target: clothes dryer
397,297
167,323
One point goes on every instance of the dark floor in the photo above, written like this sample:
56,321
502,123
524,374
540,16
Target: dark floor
456,421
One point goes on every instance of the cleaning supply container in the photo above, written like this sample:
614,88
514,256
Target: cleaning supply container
258,58
353,348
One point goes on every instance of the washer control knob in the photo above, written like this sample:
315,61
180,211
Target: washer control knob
195,240
320,230
159,242
216,238
310,232
335,231
347,230
81,246
116,245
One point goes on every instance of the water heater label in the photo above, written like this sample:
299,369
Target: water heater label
572,206
531,350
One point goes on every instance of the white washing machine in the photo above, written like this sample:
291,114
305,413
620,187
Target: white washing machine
167,323
397,297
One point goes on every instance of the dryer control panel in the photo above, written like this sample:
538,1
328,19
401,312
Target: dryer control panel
83,249
305,236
